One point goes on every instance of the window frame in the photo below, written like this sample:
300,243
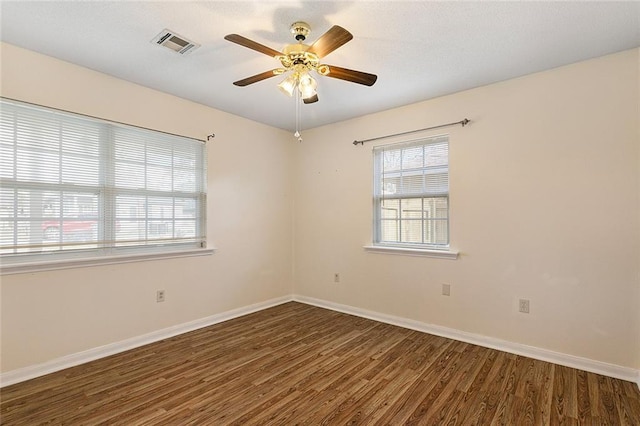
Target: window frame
104,247
404,247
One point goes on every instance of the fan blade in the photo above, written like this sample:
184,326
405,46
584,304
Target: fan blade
243,41
311,100
352,76
330,41
256,78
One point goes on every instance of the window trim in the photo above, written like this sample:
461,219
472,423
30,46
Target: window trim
430,250
413,251
85,261
106,253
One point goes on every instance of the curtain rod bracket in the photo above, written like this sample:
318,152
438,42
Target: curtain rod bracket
211,136
462,122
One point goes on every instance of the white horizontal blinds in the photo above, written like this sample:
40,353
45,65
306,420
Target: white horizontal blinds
412,193
50,176
63,177
159,189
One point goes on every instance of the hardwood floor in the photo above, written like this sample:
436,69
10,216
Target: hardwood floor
298,364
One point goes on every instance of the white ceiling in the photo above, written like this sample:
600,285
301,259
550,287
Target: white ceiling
418,49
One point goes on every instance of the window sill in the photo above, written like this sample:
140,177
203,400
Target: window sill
51,265
407,251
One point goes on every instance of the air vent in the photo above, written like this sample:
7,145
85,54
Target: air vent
175,42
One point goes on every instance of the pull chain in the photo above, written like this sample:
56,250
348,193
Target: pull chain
297,133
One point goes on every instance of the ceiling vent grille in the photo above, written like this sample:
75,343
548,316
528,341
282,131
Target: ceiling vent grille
175,42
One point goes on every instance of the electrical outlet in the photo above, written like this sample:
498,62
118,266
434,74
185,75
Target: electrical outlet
446,289
524,306
336,277
160,296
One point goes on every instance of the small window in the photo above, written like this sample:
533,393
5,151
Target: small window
411,194
74,187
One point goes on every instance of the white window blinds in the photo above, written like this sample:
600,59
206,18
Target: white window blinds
70,184
411,193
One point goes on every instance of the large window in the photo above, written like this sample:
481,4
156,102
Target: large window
73,186
411,194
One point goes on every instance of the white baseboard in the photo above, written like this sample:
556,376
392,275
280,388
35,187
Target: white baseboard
611,370
30,372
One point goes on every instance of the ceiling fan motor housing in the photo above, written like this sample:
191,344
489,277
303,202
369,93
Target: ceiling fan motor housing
296,54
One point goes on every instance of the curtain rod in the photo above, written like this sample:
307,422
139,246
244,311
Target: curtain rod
211,136
462,122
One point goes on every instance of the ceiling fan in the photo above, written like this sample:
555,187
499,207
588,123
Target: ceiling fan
300,59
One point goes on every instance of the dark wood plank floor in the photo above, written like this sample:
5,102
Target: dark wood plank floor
298,364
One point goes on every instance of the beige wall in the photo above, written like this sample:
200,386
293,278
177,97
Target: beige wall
545,206
47,315
558,152
638,142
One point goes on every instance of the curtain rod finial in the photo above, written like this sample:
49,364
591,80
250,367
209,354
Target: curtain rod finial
211,136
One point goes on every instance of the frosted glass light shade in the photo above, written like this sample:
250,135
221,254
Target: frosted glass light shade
307,86
288,85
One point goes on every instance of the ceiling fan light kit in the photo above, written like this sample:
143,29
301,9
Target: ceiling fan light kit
299,60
